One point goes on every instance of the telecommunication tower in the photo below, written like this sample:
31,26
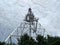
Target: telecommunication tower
30,25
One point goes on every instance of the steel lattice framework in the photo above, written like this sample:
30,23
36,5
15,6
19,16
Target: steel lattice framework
30,25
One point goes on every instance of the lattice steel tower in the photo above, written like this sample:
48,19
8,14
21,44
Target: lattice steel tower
30,25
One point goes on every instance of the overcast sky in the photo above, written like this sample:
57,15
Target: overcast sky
12,13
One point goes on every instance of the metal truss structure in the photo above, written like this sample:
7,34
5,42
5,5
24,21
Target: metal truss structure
30,25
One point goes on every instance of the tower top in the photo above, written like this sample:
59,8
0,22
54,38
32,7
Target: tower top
29,17
30,10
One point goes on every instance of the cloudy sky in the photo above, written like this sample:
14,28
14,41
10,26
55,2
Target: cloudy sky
12,13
